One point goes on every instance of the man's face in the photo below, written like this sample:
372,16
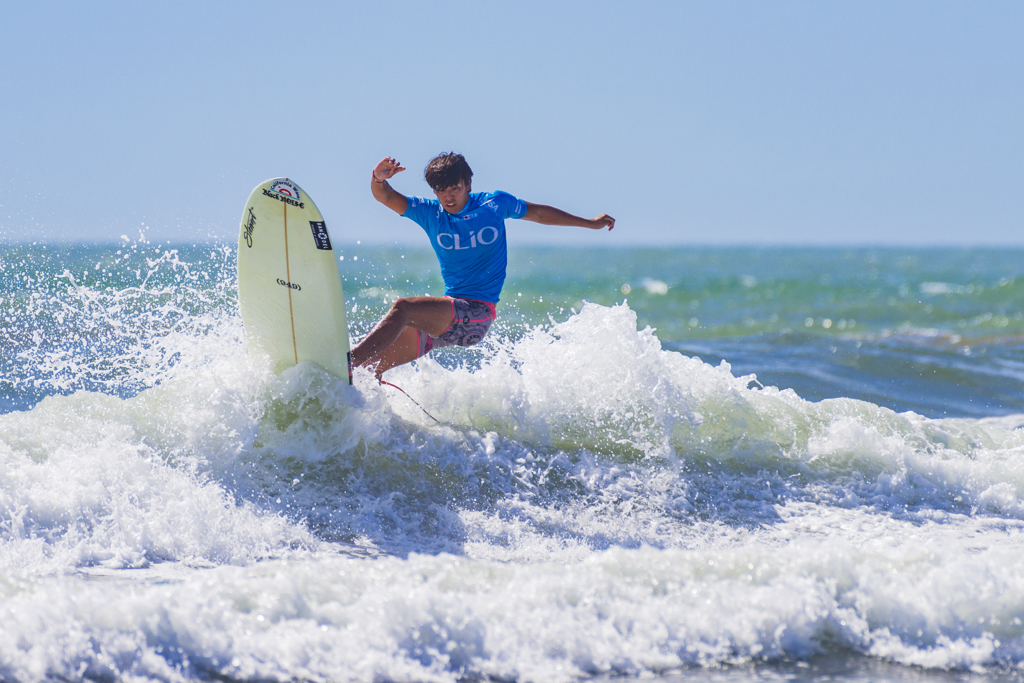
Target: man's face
454,198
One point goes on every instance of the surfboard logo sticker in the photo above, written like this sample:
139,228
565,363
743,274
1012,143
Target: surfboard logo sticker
320,236
286,191
287,188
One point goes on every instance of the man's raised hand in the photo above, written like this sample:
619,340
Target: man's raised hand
387,168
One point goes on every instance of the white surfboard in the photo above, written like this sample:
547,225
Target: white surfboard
289,287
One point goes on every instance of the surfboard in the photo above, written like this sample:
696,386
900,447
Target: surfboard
289,286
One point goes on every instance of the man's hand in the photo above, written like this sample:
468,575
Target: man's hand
601,221
386,169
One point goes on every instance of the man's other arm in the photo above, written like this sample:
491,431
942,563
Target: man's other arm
549,215
382,190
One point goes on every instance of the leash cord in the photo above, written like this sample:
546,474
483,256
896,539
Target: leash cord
411,399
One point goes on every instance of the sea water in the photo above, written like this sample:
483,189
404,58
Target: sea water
694,463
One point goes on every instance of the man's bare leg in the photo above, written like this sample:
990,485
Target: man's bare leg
431,314
405,349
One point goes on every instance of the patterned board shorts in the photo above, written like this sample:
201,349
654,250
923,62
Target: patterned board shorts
470,321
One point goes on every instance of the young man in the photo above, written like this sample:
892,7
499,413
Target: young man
467,232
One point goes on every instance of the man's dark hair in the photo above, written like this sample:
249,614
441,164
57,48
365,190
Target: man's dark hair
446,170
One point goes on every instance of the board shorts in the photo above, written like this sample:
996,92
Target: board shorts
470,321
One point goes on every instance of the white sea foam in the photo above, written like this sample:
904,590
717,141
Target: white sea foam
441,617
590,503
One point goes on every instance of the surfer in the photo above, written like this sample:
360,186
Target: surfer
467,231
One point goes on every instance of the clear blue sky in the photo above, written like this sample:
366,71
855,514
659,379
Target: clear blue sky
690,122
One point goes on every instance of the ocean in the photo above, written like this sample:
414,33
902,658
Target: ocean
687,464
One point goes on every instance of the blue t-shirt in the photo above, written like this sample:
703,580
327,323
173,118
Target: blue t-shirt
469,244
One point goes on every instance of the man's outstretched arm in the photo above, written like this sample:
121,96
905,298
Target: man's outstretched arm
549,215
382,190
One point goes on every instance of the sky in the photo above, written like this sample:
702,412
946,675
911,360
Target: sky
733,123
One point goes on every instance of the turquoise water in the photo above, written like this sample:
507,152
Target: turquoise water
707,464
939,332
